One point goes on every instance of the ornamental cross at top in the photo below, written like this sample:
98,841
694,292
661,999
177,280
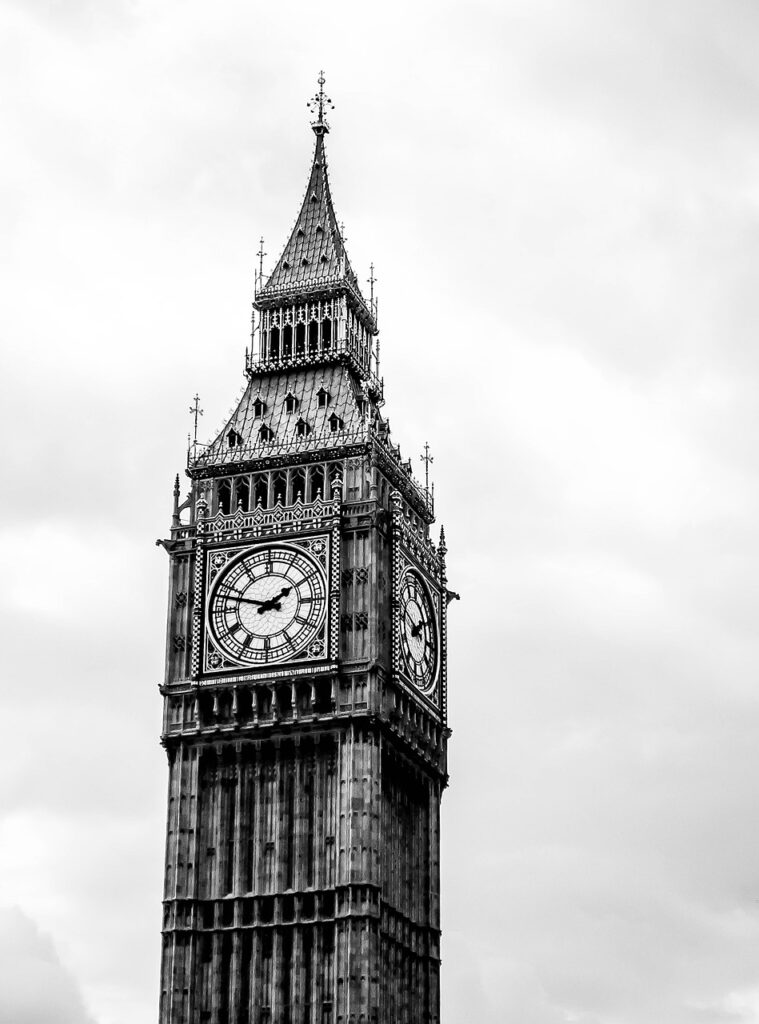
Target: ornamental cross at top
317,105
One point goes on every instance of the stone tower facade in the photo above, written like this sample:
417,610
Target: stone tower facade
305,688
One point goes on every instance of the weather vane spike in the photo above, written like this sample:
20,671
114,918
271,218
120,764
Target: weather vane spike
196,411
317,105
427,459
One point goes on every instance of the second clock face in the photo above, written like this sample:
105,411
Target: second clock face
267,605
418,631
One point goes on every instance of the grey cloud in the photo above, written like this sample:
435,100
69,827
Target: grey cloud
35,987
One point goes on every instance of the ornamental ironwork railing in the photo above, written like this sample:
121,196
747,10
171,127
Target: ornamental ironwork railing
219,454
338,351
300,515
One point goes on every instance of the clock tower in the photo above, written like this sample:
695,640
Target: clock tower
305,687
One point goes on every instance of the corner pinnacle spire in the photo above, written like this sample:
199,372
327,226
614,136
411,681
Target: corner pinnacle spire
317,105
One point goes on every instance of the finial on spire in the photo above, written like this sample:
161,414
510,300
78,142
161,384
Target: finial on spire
317,105
196,411
427,459
260,255
175,522
371,281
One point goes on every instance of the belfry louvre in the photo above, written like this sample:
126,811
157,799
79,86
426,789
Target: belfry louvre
305,687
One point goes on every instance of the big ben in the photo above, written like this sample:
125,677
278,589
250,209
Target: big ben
305,688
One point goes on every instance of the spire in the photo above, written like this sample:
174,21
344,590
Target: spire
314,259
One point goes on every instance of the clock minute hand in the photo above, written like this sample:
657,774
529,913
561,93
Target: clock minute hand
245,600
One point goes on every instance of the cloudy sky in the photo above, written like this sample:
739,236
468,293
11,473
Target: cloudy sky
562,202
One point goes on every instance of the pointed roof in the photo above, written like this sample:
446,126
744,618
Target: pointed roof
314,259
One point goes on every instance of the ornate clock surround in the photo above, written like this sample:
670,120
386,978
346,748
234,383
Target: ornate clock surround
414,556
311,527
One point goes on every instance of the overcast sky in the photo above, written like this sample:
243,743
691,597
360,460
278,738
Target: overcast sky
562,203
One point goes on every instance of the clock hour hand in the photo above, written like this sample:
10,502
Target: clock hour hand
273,602
417,629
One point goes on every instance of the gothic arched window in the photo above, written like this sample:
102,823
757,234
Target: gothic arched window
224,496
279,487
261,490
242,493
274,343
298,484
316,483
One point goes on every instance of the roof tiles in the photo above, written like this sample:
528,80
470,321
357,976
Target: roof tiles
314,258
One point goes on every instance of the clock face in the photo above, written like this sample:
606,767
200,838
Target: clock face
418,631
267,605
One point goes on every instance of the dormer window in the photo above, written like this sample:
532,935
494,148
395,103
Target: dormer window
323,397
302,428
304,261
335,423
259,408
291,403
234,440
266,433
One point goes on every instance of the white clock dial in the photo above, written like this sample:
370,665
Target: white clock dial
267,605
418,631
